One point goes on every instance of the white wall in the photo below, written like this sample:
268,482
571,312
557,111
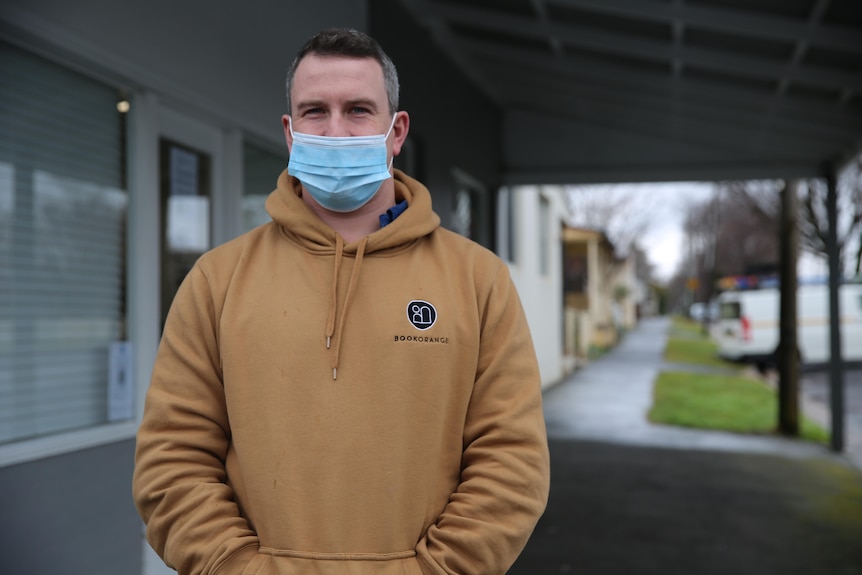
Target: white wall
540,294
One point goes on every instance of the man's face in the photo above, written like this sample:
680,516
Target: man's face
339,96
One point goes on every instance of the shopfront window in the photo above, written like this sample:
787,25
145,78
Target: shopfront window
63,213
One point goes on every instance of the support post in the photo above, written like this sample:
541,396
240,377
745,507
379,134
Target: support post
787,356
836,364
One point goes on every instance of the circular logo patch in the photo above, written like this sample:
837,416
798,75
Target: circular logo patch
421,314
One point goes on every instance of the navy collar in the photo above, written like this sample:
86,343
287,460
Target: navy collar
392,213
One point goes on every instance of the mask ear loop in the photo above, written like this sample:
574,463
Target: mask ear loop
391,125
389,131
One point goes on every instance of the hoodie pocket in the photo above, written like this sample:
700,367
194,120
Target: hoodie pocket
291,563
257,563
412,567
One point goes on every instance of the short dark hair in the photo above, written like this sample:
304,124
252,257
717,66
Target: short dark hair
351,43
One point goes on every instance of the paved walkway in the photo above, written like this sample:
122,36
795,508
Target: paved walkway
629,497
608,400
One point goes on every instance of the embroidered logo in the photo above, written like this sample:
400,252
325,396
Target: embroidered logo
421,314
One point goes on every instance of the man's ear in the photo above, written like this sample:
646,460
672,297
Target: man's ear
399,131
288,137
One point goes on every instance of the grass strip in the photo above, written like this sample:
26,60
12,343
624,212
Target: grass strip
688,342
721,402
701,351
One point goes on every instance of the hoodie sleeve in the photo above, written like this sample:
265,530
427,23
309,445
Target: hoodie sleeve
180,485
505,465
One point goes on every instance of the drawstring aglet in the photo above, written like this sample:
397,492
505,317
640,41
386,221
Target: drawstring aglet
334,370
328,339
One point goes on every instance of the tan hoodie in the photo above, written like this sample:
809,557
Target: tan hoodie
413,443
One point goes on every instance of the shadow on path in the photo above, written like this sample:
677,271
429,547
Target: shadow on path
629,497
622,509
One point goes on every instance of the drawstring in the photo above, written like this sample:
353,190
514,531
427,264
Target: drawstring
333,300
351,287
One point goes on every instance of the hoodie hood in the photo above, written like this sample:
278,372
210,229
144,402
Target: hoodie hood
300,224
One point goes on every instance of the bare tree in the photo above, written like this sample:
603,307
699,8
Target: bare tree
764,201
732,233
701,235
620,212
814,226
749,242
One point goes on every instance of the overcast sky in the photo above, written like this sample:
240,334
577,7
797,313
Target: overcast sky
667,204
663,241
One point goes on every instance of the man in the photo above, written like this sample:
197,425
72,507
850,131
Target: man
349,388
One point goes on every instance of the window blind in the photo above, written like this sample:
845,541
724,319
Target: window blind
62,250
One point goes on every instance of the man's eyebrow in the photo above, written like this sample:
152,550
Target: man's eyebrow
365,102
311,104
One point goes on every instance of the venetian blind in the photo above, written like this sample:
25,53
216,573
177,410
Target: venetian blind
62,230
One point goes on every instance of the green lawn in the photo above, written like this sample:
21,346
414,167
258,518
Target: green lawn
722,402
725,400
701,351
684,328
687,343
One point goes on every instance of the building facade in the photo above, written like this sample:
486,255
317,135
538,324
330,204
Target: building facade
530,222
134,136
602,292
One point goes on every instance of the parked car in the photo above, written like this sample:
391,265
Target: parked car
748,327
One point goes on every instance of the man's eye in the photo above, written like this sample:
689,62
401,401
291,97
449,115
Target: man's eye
358,110
312,111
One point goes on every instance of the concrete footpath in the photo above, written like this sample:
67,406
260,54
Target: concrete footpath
629,497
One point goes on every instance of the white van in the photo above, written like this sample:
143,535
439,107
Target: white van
748,325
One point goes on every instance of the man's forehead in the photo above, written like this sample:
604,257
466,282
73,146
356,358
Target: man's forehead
319,78
314,61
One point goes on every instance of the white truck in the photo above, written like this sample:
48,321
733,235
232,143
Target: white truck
748,325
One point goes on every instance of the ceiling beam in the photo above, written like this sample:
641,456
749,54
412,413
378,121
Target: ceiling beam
645,84
727,20
629,47
443,37
715,116
637,48
542,14
727,135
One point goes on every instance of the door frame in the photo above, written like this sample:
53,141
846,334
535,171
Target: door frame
150,120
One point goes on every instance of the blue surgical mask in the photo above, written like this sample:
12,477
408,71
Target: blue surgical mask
341,173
